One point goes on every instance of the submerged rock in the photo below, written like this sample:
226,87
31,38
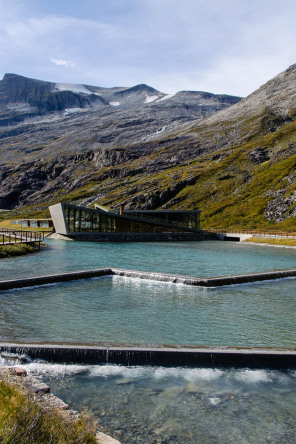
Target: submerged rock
17,371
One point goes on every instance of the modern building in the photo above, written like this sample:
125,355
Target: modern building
100,224
33,223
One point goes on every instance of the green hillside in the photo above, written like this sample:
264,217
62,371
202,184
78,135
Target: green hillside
237,166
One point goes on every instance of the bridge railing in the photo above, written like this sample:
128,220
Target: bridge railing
258,233
10,236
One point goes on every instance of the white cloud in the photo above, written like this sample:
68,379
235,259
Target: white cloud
64,63
227,47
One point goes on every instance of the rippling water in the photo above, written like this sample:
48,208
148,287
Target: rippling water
150,404
208,258
179,405
123,310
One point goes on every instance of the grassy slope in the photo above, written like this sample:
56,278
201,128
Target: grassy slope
231,191
15,250
23,421
272,241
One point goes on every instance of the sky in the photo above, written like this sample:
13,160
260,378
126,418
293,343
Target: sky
219,46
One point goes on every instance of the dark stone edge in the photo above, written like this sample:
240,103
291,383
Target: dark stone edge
271,359
178,279
53,278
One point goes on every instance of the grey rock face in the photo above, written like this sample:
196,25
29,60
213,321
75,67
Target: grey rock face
57,137
100,143
279,207
45,126
259,155
22,99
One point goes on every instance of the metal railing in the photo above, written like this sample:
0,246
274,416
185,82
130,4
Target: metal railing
258,233
9,236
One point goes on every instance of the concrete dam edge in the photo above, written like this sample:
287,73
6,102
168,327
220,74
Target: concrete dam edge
211,357
211,282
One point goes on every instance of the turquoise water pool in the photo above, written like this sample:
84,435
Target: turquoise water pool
132,311
209,258
152,404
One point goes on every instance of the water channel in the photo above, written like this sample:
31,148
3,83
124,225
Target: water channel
156,405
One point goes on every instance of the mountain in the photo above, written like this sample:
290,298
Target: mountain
45,125
43,119
22,98
234,159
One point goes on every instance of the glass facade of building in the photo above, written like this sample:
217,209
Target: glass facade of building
188,219
81,220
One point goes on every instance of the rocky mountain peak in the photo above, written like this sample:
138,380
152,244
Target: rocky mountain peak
12,76
141,88
234,159
278,94
23,98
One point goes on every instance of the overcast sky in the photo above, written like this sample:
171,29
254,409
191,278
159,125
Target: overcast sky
220,46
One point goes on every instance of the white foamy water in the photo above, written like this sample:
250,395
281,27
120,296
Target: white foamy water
153,403
150,403
133,372
196,374
3,362
246,376
253,376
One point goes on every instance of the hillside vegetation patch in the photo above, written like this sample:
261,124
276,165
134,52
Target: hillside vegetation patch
22,421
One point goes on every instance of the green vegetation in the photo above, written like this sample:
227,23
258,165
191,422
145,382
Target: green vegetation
15,250
4,238
234,192
220,176
230,189
23,421
27,212
272,241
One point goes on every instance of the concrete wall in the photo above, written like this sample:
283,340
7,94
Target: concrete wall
58,218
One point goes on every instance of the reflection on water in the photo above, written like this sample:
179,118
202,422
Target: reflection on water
179,405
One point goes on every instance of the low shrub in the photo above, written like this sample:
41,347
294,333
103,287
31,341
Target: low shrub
15,250
22,421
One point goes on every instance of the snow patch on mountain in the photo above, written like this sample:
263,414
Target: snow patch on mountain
114,103
72,110
74,87
150,99
168,96
151,136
